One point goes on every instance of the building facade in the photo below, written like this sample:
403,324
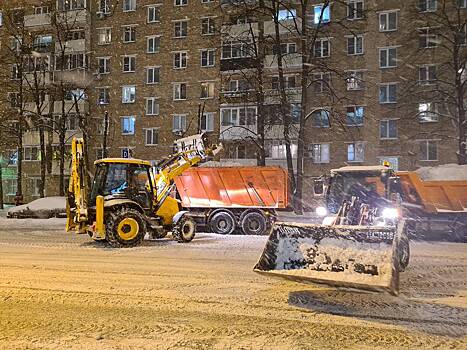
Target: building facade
150,71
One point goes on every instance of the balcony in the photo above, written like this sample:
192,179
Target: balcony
237,132
240,31
228,3
78,45
37,20
293,60
288,26
70,106
73,17
31,108
78,77
43,79
272,96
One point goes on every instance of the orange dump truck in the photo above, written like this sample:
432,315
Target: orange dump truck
234,198
435,208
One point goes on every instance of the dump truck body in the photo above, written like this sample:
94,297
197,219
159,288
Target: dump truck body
231,193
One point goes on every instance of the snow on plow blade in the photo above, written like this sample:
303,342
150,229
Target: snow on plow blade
344,256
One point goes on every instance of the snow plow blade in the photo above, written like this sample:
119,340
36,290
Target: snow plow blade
361,257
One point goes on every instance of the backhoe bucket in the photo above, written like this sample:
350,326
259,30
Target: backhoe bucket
344,256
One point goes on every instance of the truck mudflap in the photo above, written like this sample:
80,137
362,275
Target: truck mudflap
358,257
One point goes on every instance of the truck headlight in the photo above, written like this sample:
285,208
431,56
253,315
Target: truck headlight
390,213
321,211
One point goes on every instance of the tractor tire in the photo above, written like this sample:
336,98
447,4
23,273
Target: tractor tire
404,253
254,223
222,222
125,228
184,230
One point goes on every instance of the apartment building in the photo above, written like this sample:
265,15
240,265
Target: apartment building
159,70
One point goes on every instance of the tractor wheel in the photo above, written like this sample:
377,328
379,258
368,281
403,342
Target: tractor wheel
404,253
254,223
222,222
185,229
126,228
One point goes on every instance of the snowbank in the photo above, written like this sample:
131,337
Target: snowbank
40,208
443,172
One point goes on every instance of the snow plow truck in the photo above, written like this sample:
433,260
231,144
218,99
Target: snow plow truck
363,241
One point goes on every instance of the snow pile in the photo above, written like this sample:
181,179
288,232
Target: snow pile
40,208
449,172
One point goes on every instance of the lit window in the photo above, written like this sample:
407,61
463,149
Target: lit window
355,115
322,14
285,14
207,122
128,94
356,152
128,125
427,112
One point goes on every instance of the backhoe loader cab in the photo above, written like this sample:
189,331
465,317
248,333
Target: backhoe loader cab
128,198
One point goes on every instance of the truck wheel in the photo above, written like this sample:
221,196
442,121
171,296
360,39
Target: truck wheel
184,231
222,222
254,223
404,253
127,229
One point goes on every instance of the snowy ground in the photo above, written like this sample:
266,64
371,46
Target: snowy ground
62,291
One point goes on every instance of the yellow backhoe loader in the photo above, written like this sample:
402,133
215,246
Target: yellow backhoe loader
129,197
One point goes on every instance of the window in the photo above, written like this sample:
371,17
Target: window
104,6
67,5
71,61
208,58
152,106
128,94
355,9
321,119
321,82
179,123
30,153
15,99
1,18
104,36
206,1
180,29
180,60
126,152
355,152
207,122
39,10
296,112
289,82
322,14
103,64
319,152
179,91
153,75
277,149
15,73
462,4
428,150
355,115
129,34
129,64
128,125
103,96
129,5
388,21
427,38
387,57
285,14
207,90
42,42
207,26
152,137
426,74
75,34
233,49
355,45
154,14
284,49
387,93
355,80
388,129
322,48
235,116
427,112
238,85
180,2
393,162
463,35
427,5
153,44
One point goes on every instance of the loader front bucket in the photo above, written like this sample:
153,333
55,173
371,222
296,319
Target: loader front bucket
344,256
